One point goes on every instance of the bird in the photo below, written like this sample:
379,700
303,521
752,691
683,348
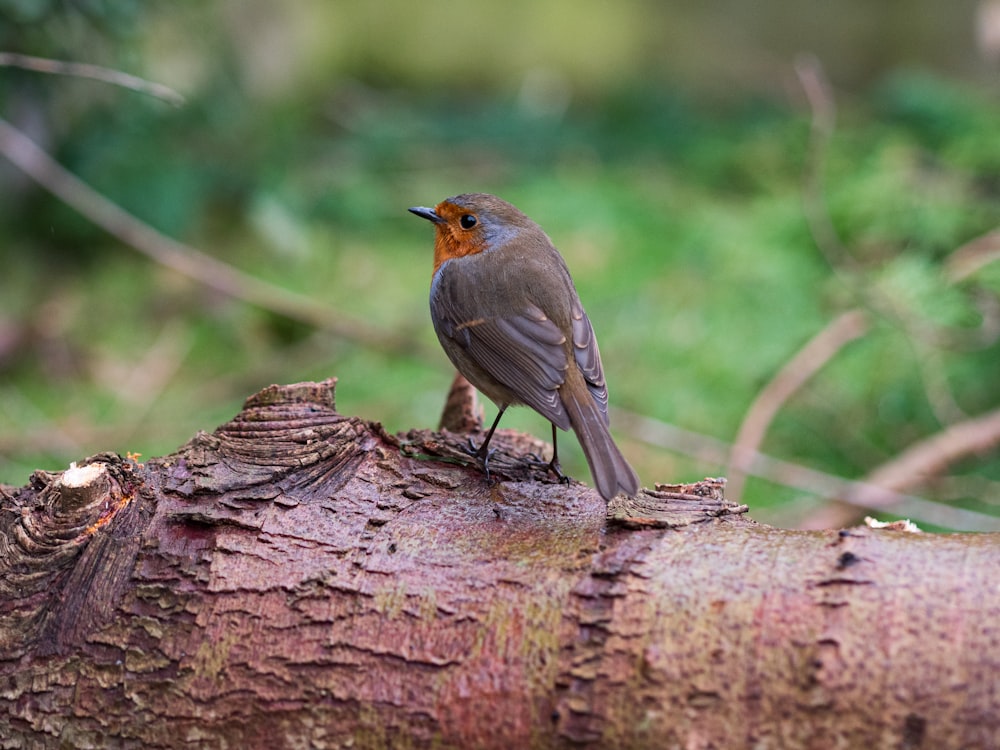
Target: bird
507,314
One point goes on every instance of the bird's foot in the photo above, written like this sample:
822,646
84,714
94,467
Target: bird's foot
556,469
552,466
483,453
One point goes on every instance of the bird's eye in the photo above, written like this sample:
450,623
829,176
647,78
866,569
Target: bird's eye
468,221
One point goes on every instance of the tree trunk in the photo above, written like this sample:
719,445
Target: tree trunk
303,579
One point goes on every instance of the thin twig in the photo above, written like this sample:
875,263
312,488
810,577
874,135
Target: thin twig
930,363
957,486
929,458
96,72
182,258
933,455
789,379
824,114
713,451
975,254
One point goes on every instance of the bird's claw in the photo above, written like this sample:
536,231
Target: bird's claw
484,458
556,469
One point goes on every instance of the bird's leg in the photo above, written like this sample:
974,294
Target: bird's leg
554,466
483,453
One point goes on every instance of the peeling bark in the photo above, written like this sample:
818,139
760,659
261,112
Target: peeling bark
303,579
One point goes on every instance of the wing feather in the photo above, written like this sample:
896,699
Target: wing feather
525,352
588,358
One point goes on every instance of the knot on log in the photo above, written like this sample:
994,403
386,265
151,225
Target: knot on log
674,505
43,531
285,436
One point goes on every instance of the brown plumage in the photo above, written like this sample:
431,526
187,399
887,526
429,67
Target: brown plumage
508,316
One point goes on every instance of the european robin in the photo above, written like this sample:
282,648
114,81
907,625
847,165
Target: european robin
508,316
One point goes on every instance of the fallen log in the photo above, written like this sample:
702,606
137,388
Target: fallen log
299,578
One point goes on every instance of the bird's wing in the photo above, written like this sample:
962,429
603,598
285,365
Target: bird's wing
588,358
526,352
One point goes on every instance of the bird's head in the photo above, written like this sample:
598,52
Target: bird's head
472,223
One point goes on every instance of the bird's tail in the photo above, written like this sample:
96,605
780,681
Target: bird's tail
611,472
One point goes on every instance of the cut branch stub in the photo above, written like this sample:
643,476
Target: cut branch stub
48,556
462,411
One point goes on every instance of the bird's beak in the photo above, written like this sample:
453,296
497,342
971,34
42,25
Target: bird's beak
426,213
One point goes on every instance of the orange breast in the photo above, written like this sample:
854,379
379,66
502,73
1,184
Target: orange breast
447,245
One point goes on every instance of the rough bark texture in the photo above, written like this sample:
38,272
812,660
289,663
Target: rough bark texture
302,579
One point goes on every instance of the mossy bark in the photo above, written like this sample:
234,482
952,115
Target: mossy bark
303,579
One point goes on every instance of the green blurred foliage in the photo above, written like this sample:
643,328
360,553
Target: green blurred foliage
669,175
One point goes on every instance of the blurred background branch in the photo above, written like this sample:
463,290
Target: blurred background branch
790,378
98,73
839,498
196,265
